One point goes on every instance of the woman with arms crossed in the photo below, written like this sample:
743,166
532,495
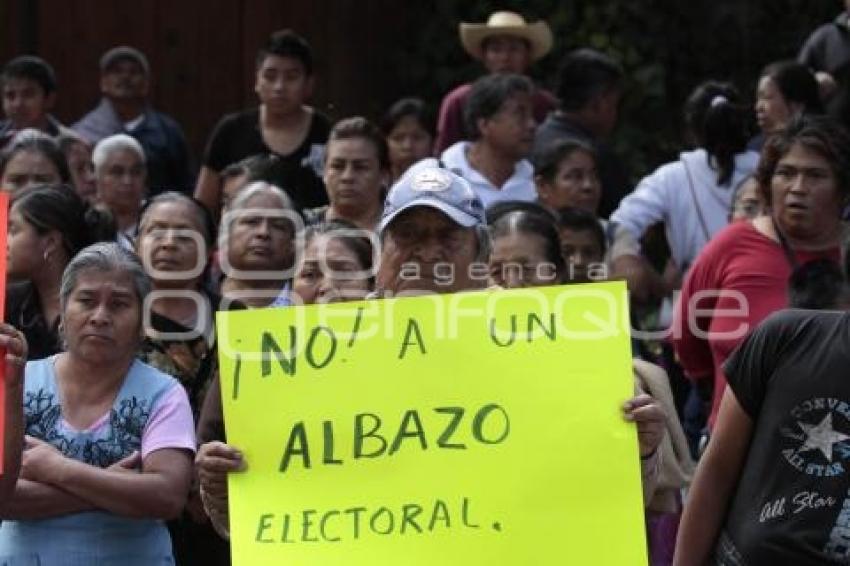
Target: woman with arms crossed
109,439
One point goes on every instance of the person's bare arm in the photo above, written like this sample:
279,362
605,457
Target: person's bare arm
208,190
714,483
35,500
159,490
14,345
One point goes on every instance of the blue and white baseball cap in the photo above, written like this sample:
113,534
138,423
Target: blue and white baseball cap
427,183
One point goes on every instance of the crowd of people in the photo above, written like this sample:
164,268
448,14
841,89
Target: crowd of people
121,250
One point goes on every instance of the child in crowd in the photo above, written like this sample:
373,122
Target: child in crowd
409,129
583,245
283,125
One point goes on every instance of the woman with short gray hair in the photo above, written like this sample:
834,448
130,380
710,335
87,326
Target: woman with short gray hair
118,142
121,176
110,439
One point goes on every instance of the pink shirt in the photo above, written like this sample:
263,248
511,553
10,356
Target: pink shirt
169,426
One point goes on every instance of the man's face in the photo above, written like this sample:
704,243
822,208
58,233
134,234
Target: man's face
511,129
283,84
124,79
506,54
425,251
25,103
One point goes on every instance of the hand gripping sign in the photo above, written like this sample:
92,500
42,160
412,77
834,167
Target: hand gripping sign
477,428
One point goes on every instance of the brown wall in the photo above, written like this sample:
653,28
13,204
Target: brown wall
202,51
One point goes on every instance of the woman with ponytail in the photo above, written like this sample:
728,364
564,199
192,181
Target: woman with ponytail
693,195
48,225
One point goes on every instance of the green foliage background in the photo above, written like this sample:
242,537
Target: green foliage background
666,46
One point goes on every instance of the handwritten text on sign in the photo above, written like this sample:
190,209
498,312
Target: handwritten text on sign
477,428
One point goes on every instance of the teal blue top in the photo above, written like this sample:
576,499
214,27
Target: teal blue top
93,538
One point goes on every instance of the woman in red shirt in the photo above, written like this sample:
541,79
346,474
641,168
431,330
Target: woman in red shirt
741,276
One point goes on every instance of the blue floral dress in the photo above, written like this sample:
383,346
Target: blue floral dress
95,538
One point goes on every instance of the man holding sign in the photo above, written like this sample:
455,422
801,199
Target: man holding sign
434,238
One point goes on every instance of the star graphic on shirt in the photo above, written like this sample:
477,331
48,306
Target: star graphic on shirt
821,436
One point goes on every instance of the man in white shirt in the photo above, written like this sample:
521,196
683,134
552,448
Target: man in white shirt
499,117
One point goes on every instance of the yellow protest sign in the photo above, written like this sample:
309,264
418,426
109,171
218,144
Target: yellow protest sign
477,429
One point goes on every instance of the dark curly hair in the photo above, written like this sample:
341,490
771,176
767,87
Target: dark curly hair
820,134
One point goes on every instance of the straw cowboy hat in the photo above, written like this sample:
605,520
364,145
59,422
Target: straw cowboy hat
538,35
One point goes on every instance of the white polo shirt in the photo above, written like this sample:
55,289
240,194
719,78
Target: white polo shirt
520,186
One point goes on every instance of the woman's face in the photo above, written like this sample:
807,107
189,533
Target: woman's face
806,200
171,245
102,317
261,238
748,201
580,249
773,111
25,248
329,272
519,260
82,170
121,182
576,184
408,142
27,169
353,175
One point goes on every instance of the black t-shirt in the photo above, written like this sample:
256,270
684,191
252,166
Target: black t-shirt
299,173
792,503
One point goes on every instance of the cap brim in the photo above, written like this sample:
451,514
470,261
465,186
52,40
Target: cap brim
458,216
